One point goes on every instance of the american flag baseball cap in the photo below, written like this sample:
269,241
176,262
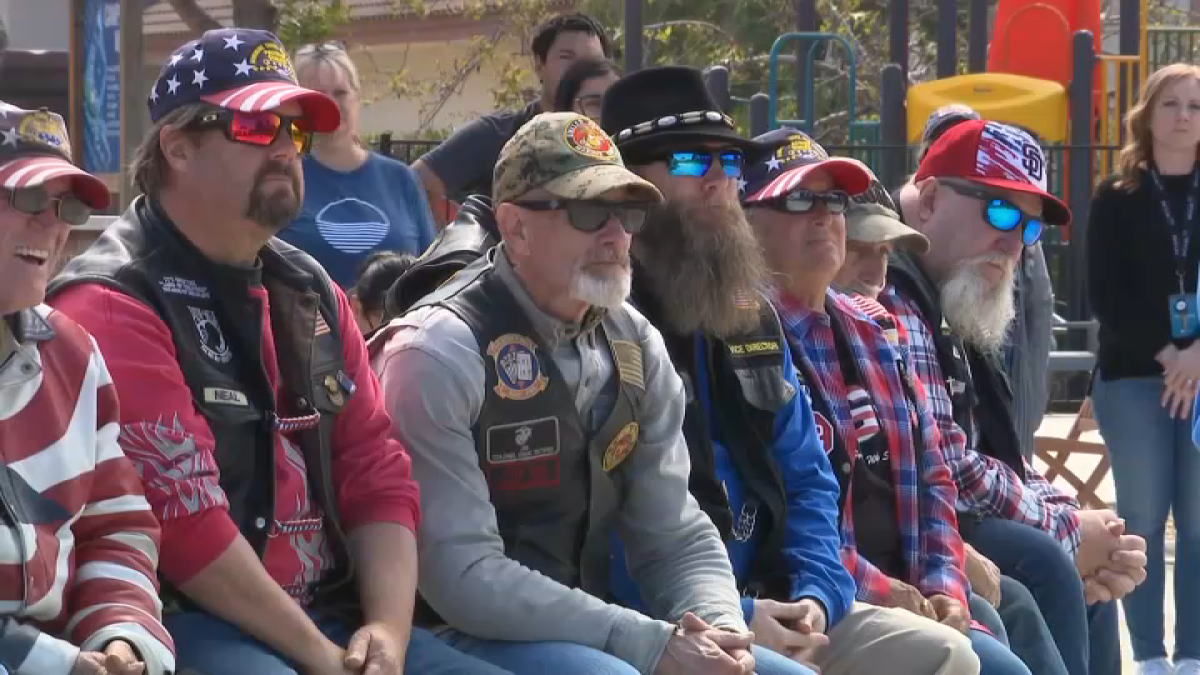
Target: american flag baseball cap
34,148
999,155
793,155
238,69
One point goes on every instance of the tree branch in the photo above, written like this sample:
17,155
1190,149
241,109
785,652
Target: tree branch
196,19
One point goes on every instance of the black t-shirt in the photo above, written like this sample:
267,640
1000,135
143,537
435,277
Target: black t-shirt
1131,272
466,160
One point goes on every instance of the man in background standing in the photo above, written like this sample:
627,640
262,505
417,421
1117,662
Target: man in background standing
463,163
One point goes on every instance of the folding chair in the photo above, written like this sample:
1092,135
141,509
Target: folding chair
1056,451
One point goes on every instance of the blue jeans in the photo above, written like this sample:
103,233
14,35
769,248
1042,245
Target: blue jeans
995,658
1039,563
1028,634
557,658
206,645
1156,470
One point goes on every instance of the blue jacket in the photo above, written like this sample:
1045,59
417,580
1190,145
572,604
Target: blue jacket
811,544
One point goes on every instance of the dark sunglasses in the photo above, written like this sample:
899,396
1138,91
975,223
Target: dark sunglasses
804,201
35,201
257,128
592,216
696,163
999,212
316,47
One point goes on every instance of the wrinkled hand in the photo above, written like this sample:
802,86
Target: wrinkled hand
951,612
903,596
1125,569
983,575
1100,531
376,649
118,658
794,629
698,648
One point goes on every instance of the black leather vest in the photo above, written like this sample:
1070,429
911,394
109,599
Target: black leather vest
978,387
555,481
216,327
748,388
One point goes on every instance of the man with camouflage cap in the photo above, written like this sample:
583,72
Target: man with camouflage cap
542,412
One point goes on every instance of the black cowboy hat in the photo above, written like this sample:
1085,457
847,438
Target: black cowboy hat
650,109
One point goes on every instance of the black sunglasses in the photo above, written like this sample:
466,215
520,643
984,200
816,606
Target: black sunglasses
999,212
260,129
592,216
804,201
35,201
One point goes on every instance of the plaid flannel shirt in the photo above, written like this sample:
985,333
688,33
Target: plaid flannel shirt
931,542
986,486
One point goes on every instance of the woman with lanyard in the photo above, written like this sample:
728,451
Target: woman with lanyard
1143,250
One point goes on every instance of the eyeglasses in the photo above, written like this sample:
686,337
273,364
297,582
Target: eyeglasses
804,201
257,128
318,47
697,163
590,105
1000,213
35,201
592,216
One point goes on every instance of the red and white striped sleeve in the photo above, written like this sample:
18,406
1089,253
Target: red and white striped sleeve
114,591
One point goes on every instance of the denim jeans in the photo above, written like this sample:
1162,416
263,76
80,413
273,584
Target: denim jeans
206,645
995,658
1028,635
1039,563
1156,469
556,658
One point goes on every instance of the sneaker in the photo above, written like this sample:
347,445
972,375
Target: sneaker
1155,667
1187,667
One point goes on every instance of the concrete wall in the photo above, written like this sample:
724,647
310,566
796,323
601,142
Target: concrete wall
37,24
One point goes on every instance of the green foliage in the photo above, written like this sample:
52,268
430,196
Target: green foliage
302,22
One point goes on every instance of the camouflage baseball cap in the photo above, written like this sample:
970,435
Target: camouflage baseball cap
35,149
567,155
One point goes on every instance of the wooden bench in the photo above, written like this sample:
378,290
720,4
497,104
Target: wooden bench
1056,451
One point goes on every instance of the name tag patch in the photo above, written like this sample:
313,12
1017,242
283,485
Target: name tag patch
755,348
225,396
522,455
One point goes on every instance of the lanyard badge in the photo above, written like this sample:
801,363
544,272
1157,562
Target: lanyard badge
1181,305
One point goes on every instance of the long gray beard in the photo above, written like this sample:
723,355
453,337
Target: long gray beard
977,313
705,268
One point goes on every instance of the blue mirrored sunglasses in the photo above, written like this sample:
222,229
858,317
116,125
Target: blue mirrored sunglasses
1001,213
697,163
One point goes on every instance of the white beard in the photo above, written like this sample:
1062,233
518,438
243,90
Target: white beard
977,313
608,291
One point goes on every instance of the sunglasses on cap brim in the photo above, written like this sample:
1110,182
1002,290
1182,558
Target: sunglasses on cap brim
590,216
260,129
35,201
999,212
318,47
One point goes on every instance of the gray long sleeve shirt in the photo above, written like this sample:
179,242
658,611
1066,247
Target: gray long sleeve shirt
433,379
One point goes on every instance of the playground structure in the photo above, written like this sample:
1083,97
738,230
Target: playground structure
1040,65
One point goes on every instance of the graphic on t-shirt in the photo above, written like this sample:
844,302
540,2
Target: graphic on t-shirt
871,446
352,225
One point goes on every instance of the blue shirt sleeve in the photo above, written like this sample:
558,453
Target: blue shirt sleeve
418,208
812,543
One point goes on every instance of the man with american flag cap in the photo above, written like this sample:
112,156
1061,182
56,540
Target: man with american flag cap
78,541
288,514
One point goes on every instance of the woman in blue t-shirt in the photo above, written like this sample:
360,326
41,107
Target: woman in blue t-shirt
356,201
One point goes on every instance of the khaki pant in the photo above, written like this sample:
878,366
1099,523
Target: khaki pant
870,640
